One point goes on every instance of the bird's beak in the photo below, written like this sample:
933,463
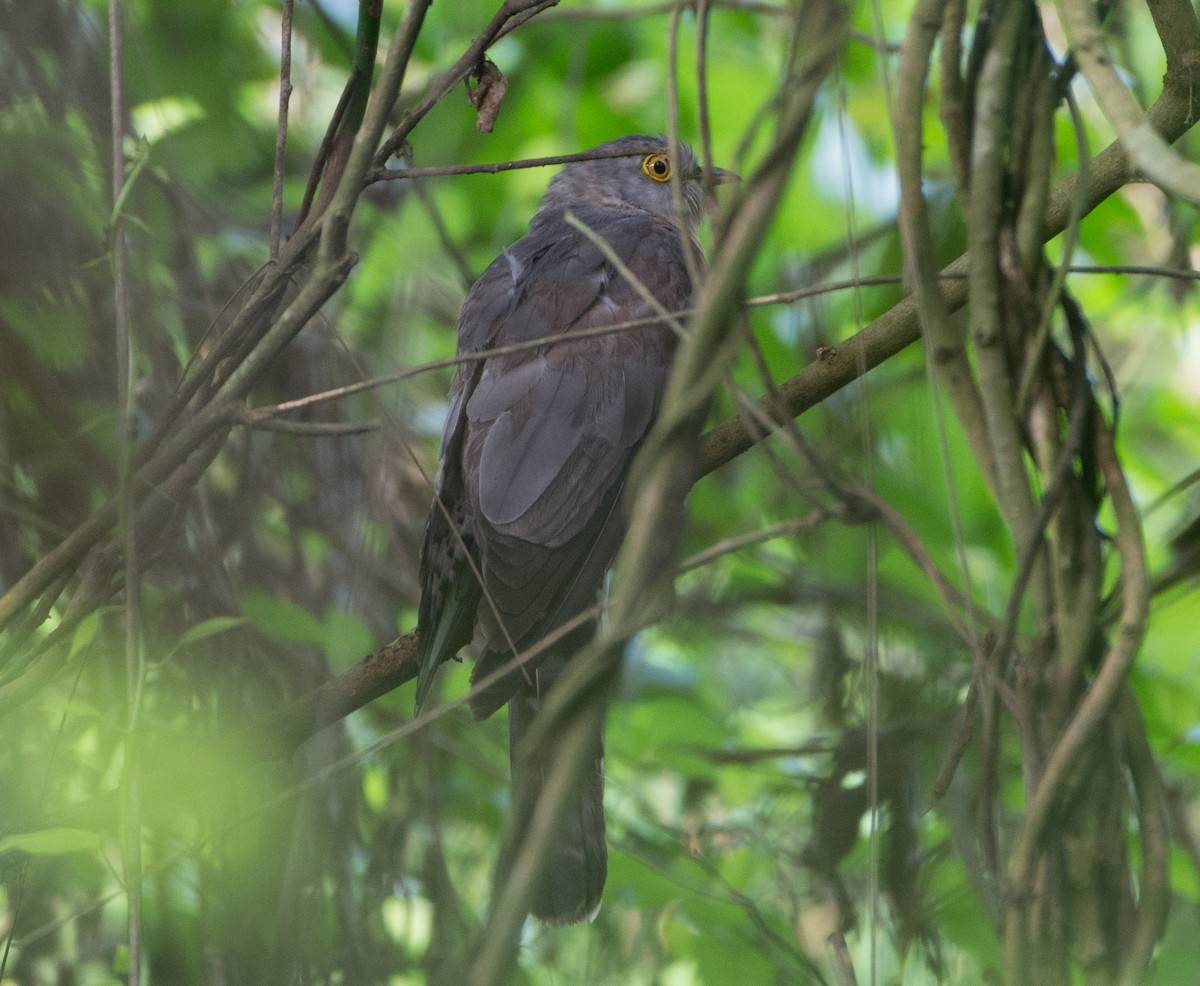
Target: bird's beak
716,176
721,176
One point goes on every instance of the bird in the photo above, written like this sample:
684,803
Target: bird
537,447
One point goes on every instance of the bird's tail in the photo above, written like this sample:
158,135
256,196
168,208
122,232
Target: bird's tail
577,857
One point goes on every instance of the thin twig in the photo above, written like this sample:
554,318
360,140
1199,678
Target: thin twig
960,743
989,177
784,529
659,9
871,505
1154,887
325,149
953,107
1056,483
500,167
841,960
285,95
310,429
945,352
449,247
703,9
510,11
691,249
126,403
1033,356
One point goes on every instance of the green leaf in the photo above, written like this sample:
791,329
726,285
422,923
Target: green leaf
666,730
85,632
51,842
209,628
722,960
347,637
630,876
282,619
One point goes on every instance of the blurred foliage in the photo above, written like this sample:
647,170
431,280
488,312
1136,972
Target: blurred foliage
736,766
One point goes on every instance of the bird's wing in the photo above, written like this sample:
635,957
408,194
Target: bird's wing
449,590
552,426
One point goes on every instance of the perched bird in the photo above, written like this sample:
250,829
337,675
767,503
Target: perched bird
536,451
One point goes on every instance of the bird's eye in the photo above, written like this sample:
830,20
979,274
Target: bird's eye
657,166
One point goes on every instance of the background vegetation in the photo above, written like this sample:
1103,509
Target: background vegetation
891,726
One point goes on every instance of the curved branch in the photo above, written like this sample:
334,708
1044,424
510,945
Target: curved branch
1100,697
945,349
1154,893
1150,153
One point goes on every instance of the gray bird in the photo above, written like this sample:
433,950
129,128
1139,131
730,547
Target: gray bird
536,451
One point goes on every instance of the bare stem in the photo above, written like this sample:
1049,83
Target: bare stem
127,504
285,95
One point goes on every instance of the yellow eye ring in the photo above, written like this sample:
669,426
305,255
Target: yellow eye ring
657,166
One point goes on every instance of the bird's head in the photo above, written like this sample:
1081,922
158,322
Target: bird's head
641,179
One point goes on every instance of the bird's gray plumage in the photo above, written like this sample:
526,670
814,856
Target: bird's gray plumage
536,451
